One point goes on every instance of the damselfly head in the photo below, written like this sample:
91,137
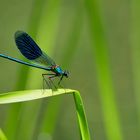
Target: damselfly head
66,73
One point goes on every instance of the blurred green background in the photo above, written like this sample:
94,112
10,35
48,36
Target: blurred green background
98,42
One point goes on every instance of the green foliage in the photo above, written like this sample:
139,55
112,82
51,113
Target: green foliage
27,95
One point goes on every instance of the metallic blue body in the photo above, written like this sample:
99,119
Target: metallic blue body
25,63
58,70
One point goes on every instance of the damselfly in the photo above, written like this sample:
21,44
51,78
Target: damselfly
31,51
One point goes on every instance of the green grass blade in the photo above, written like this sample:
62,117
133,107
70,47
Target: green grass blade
27,95
81,116
2,135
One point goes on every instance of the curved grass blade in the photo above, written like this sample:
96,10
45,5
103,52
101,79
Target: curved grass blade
85,135
27,95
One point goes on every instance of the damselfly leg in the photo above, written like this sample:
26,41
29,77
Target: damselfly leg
47,79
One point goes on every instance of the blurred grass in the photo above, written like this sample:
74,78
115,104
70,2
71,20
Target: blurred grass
14,119
2,135
100,53
135,48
